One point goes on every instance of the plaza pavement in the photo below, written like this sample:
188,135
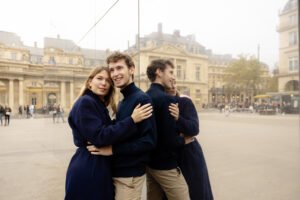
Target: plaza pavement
249,157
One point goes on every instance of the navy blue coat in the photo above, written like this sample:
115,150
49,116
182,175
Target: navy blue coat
191,159
89,176
164,157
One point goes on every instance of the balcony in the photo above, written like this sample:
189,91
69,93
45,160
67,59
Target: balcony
286,26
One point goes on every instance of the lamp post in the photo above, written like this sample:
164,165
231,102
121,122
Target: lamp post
138,45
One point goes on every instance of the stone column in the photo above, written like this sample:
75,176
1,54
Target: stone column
11,94
63,94
21,93
71,93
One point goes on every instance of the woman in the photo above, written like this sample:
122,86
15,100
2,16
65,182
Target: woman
191,158
89,176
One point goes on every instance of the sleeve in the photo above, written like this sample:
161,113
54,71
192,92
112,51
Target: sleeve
170,134
145,143
95,131
188,122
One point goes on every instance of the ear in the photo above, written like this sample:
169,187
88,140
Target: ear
158,73
89,84
131,70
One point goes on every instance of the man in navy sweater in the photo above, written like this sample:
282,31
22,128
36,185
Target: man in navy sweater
163,174
131,156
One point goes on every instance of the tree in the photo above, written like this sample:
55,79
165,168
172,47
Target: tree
244,75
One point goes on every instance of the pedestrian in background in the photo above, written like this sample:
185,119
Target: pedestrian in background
7,113
60,113
1,114
54,112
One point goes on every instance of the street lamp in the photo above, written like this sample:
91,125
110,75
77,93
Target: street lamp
138,44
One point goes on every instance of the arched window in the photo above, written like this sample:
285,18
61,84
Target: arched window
292,86
51,100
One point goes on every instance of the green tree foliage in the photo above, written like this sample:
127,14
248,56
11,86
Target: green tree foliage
244,75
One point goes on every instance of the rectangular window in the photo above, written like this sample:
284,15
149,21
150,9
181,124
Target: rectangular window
87,62
70,61
178,72
197,74
293,19
39,59
198,93
51,60
33,100
13,56
293,64
293,38
33,59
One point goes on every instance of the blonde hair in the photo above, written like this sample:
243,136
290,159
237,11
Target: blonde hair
109,98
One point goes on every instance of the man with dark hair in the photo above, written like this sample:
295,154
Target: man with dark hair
163,174
131,156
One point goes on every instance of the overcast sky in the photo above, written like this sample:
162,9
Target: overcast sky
226,27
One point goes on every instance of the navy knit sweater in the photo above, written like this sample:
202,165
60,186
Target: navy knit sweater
164,157
131,156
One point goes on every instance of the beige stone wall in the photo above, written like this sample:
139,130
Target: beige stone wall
188,63
286,50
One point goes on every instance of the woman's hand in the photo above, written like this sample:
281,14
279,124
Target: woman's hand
102,151
174,110
188,139
141,112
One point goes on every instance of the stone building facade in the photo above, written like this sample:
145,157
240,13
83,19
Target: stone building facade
288,67
43,76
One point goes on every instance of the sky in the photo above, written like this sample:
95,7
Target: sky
226,27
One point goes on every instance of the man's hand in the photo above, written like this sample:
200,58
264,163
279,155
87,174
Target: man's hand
102,151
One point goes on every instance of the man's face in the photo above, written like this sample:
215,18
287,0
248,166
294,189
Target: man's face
167,77
120,73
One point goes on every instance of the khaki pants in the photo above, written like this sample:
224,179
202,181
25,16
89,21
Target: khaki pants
129,188
171,182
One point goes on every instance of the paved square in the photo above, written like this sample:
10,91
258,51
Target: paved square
249,157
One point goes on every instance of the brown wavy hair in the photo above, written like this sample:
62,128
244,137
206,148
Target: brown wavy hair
109,98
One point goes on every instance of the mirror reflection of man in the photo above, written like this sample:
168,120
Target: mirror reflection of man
164,174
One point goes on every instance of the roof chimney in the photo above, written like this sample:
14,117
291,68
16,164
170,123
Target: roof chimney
159,28
35,44
58,36
176,33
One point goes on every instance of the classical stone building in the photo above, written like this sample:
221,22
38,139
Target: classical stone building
216,72
288,77
43,76
189,57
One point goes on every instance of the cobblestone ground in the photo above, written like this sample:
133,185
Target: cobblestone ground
249,157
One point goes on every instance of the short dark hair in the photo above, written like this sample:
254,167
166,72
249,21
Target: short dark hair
157,64
116,56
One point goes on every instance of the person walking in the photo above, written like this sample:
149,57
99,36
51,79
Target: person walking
60,113
88,176
1,114
7,113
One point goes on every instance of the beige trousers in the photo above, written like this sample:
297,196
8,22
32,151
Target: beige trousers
129,188
171,182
